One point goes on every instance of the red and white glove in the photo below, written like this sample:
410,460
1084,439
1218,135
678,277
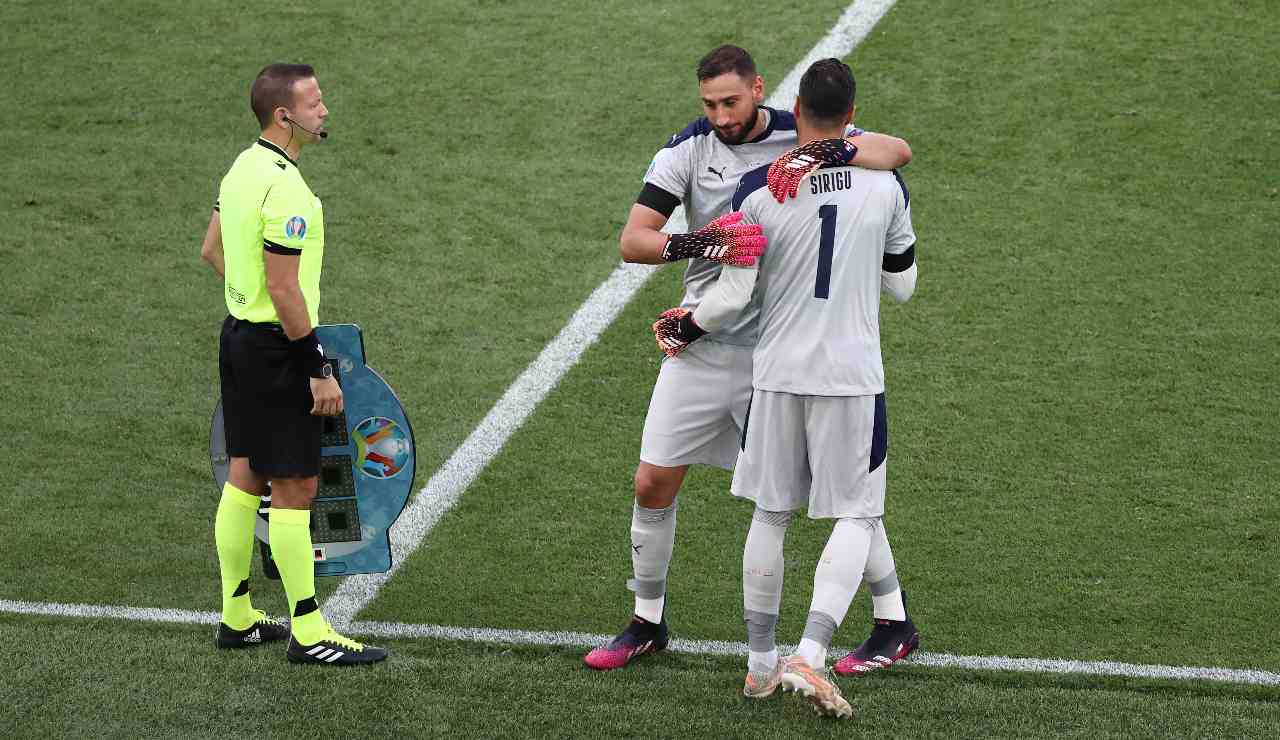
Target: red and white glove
724,240
787,171
675,330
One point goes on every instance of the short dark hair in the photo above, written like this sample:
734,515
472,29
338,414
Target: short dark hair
725,59
273,88
827,90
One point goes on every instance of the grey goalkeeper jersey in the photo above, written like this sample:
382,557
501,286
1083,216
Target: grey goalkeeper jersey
819,281
702,172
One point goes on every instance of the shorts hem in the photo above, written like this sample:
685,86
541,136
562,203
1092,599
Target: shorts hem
676,462
285,470
800,505
859,515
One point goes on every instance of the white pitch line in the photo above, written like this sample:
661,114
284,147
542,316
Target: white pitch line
488,635
95,611
929,659
584,328
932,660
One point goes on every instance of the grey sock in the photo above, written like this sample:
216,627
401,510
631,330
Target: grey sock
653,537
819,627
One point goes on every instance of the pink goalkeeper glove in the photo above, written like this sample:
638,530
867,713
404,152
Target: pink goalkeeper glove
675,330
787,171
724,240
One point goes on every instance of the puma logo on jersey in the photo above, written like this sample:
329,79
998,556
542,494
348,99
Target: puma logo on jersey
719,174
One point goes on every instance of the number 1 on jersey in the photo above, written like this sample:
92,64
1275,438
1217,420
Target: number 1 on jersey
822,287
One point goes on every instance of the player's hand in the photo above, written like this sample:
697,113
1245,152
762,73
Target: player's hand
675,330
326,396
724,240
787,171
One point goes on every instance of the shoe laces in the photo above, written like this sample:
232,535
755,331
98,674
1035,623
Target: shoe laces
345,642
260,617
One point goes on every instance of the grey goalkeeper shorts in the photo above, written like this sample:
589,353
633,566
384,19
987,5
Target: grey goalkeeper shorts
824,453
698,407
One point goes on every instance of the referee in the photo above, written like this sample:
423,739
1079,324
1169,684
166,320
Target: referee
266,240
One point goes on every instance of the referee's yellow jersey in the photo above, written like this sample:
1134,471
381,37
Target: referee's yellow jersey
265,205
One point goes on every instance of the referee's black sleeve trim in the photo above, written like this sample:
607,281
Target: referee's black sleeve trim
899,262
274,248
658,199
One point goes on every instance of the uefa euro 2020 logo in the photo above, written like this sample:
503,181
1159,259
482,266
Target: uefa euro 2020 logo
382,448
295,228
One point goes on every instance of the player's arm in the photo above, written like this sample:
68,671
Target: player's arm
724,240
879,151
872,151
733,287
898,271
642,238
668,176
211,249
677,328
727,298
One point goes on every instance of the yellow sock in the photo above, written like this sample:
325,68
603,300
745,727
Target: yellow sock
290,535
233,534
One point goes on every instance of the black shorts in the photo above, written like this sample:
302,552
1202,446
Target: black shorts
266,402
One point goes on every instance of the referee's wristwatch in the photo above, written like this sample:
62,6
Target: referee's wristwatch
325,371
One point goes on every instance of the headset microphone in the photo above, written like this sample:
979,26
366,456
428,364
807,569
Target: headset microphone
321,134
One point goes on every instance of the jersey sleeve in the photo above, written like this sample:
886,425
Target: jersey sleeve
286,216
899,243
672,167
726,299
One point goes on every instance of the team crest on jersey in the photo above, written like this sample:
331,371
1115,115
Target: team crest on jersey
296,227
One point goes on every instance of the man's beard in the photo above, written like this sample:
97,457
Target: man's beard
746,129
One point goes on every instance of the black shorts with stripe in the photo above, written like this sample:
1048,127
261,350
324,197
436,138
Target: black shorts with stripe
266,401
